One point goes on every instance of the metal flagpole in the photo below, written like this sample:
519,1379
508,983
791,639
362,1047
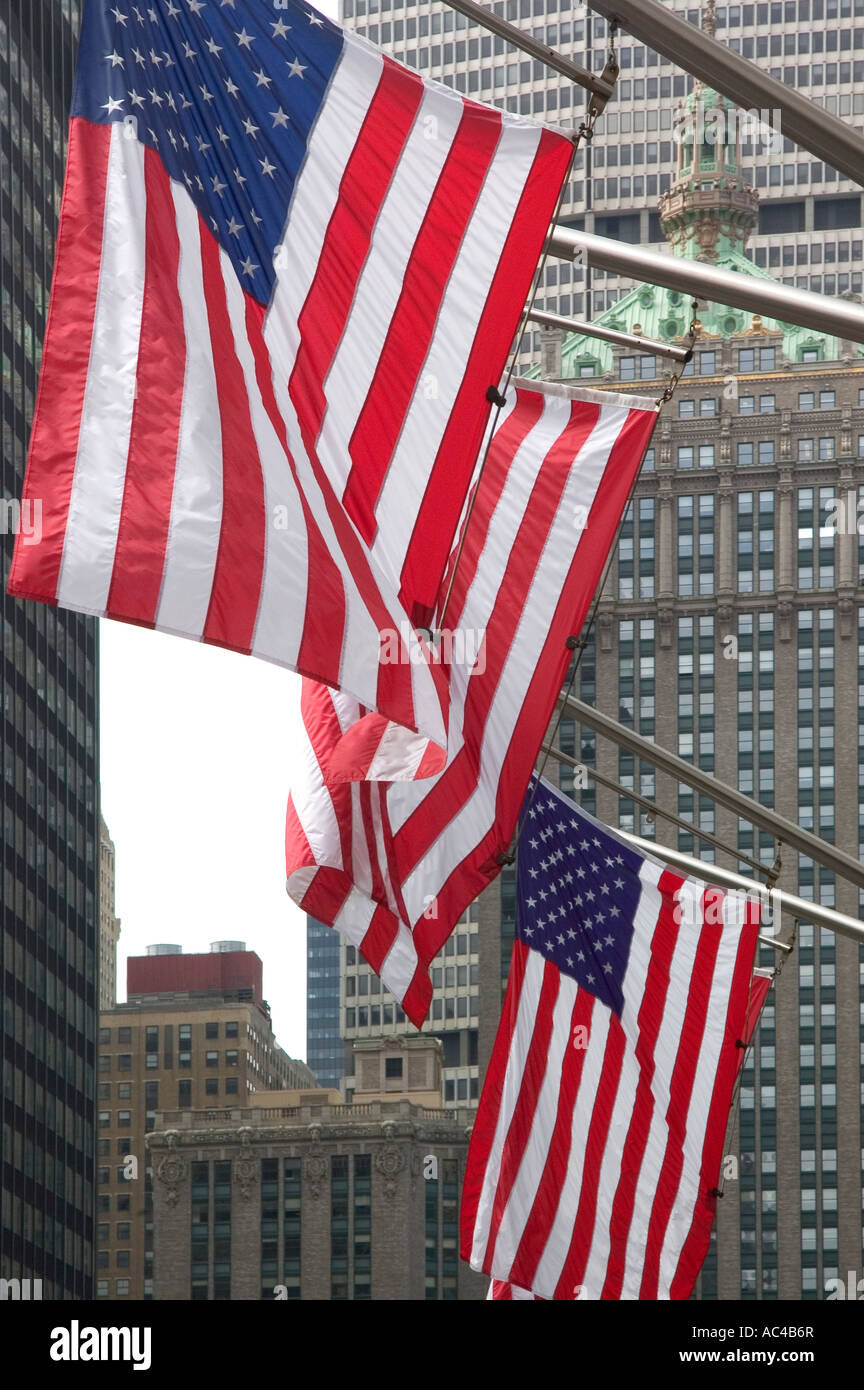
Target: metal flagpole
599,87
791,834
776,898
810,126
611,335
841,317
656,812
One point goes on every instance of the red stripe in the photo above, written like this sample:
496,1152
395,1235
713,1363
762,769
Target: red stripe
583,1233
35,569
364,792
506,442
680,1092
363,188
142,533
483,1134
480,865
239,566
420,831
438,515
298,851
545,1206
531,1074
324,730
695,1247
413,325
324,621
380,935
648,1023
326,895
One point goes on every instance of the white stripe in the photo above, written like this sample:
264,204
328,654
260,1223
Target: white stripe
461,311
381,850
196,503
558,1245
532,983
665,1057
533,1161
312,802
400,963
109,398
710,1052
645,922
361,869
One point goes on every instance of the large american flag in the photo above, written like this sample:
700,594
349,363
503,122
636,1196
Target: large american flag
394,866
596,1153
288,271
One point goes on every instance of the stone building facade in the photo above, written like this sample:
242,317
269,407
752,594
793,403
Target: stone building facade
316,1200
211,1046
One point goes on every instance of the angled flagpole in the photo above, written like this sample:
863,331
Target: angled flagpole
681,354
759,294
697,52
663,760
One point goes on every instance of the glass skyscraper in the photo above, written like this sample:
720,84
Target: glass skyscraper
48,741
325,1051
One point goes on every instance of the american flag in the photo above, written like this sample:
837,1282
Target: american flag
393,867
596,1153
288,270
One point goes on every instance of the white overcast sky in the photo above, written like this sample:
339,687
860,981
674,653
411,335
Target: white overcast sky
196,768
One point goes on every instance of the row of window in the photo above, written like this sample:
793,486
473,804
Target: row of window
764,404
762,451
810,252
184,1033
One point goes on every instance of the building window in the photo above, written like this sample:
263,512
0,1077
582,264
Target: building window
122,1288
124,1119
231,1029
124,1061
211,1030
184,1094
827,400
104,1035
745,453
231,1058
211,1059
211,1086
124,1035
767,405
746,405
393,1067
806,400
231,1086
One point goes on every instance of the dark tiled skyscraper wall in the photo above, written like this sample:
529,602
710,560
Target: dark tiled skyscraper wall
48,735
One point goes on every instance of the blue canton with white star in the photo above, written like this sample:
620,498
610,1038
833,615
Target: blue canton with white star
578,889
227,92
